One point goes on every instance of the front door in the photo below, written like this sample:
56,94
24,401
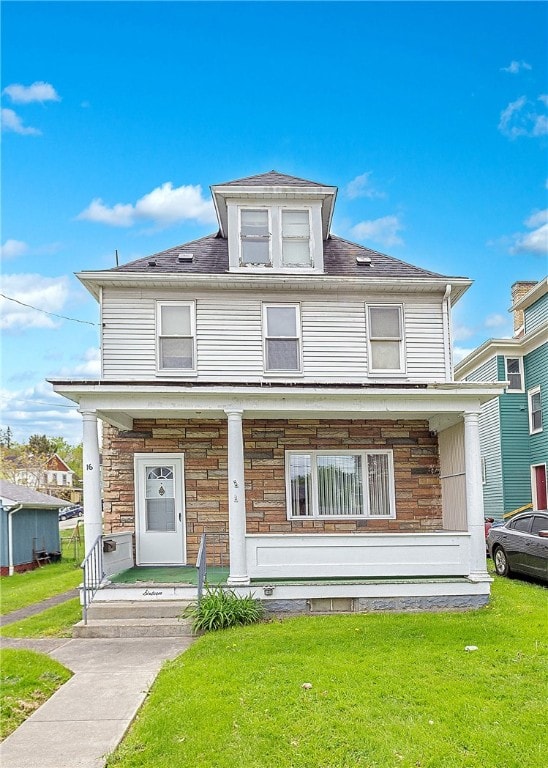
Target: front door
160,509
539,486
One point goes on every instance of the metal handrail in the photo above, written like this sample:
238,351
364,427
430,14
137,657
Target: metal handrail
92,566
201,566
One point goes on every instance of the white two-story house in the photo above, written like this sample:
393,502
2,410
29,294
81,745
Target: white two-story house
293,391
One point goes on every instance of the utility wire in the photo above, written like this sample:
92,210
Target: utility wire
37,402
53,314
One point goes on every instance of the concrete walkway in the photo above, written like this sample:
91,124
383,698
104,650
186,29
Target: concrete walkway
32,610
88,716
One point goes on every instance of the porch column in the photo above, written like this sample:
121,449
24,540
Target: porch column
93,512
236,500
474,497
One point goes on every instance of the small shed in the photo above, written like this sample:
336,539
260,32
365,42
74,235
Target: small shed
29,528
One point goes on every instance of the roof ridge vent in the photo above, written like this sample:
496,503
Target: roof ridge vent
364,261
185,258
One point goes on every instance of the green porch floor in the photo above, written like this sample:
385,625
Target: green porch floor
177,574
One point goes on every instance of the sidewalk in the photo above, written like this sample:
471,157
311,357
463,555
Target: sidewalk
88,716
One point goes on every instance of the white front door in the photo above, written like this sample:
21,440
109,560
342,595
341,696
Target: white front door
160,509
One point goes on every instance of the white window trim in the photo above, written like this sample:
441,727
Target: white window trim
520,362
290,371
403,361
276,240
268,209
365,484
530,394
176,371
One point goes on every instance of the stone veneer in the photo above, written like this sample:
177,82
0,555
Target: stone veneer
204,444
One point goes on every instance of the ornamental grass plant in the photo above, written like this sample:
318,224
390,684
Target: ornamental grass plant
222,608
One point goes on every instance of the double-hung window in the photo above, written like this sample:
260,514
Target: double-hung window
255,237
282,338
340,484
176,336
535,410
385,338
514,374
296,239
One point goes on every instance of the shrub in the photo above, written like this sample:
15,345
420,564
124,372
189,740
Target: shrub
221,608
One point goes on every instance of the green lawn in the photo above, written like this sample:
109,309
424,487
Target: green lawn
54,622
27,679
24,589
387,690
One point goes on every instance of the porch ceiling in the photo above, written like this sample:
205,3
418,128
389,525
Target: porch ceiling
120,403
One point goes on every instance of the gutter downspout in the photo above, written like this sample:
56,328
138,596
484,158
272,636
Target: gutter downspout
11,512
445,305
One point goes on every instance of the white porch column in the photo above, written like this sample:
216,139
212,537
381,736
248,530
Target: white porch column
474,497
236,499
93,512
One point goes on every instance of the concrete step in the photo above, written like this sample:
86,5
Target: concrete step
137,609
106,628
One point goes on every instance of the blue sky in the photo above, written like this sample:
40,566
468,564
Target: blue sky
431,118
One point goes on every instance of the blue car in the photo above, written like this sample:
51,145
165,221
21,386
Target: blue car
521,545
69,512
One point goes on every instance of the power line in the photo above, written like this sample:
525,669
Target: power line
37,402
53,314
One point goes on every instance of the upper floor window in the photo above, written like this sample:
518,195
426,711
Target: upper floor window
277,236
385,338
255,237
514,374
282,334
535,410
295,239
176,336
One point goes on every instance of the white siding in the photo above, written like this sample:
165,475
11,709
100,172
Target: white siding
424,342
453,479
229,336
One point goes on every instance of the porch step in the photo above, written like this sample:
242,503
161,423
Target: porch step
137,609
140,627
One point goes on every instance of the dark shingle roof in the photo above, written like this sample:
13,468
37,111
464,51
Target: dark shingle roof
22,494
272,178
210,256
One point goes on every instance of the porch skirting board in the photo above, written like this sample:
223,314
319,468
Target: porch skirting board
309,597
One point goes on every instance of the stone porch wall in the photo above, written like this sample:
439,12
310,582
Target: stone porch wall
416,464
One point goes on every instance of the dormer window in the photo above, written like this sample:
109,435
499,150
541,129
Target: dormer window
255,237
278,237
296,239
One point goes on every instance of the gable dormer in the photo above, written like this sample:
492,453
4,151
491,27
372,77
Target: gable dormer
274,222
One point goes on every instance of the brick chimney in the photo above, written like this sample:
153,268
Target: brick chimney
519,290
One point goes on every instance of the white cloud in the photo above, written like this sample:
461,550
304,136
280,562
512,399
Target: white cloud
536,241
461,332
39,410
459,353
384,230
495,321
12,249
12,122
524,118
47,293
361,186
516,66
90,365
26,94
165,205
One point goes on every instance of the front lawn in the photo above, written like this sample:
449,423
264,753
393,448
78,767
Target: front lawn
387,690
57,621
27,680
31,587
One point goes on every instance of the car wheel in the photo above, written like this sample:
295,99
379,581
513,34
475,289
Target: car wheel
501,562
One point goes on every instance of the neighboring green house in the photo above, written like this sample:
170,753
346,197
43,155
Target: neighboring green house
514,427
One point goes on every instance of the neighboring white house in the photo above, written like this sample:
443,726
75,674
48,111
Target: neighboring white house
295,391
